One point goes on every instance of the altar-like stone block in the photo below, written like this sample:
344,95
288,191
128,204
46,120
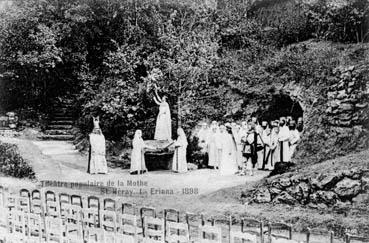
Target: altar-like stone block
161,157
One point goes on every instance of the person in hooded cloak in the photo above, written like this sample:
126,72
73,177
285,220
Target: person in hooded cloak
179,160
97,162
138,165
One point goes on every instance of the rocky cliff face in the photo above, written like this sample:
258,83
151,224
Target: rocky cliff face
340,123
348,98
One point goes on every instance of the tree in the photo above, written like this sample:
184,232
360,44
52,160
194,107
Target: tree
188,49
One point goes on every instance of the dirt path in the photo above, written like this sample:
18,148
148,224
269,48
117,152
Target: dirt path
58,161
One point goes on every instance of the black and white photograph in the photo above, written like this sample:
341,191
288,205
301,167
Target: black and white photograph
184,121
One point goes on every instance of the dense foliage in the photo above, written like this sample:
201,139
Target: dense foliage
109,54
12,164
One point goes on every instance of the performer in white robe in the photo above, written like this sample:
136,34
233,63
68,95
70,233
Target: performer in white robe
284,135
294,138
274,156
179,160
228,162
238,137
214,147
163,128
97,162
138,164
221,134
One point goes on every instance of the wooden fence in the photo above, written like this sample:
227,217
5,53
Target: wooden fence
47,216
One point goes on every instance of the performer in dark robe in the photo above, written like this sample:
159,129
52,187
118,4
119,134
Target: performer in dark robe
252,144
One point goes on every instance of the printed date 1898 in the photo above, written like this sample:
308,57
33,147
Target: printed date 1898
190,190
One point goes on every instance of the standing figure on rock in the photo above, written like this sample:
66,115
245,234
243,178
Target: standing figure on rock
179,160
138,165
163,128
228,162
97,162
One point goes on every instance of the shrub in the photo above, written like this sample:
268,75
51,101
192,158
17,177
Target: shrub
12,164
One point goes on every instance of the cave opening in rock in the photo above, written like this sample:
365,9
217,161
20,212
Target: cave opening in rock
282,105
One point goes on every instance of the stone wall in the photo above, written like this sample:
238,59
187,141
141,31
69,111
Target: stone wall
338,122
348,98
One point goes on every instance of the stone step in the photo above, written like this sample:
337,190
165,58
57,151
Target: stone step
62,122
58,132
57,137
59,127
60,112
62,118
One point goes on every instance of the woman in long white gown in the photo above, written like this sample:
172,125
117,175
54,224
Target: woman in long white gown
274,147
228,162
213,147
97,162
163,128
138,164
179,160
238,137
293,139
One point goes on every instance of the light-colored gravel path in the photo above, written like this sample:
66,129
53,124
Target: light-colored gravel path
59,161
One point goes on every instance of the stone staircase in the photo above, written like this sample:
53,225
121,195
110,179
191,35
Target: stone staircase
60,123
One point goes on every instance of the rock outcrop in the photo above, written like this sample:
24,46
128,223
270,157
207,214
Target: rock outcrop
338,123
324,189
347,98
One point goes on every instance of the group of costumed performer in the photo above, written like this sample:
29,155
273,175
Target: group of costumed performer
257,146
231,148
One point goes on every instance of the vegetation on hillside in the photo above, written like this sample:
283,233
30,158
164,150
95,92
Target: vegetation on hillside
108,55
12,164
